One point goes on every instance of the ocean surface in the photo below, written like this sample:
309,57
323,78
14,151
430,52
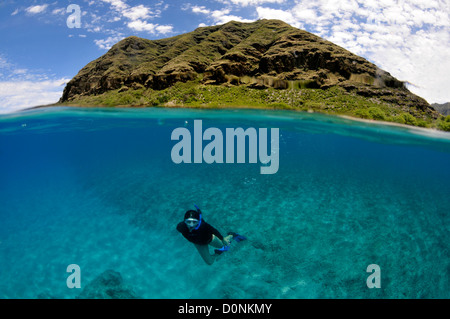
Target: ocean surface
98,188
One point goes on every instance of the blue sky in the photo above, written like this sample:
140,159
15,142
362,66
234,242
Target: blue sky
39,52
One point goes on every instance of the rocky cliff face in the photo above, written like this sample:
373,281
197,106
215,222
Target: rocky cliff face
265,53
444,108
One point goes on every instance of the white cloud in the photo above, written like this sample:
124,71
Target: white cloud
135,18
307,15
19,71
246,3
409,39
138,16
117,4
223,16
218,16
36,9
15,12
140,25
4,63
59,11
200,9
106,44
164,29
18,95
136,13
423,59
21,88
286,16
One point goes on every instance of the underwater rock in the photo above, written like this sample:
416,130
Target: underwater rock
108,285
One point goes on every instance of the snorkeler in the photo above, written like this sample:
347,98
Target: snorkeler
196,230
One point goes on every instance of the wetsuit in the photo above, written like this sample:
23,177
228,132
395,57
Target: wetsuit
200,236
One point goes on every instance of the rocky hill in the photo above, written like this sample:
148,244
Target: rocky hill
266,54
444,108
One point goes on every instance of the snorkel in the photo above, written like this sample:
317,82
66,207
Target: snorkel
193,219
200,218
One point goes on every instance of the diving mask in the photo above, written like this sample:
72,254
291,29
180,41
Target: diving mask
191,222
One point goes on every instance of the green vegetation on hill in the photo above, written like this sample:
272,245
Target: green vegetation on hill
264,64
334,100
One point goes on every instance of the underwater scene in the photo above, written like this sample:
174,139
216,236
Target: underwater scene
350,209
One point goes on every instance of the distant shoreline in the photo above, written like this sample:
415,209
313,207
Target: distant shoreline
406,126
347,117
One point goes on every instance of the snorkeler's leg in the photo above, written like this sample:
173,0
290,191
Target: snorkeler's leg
217,243
204,252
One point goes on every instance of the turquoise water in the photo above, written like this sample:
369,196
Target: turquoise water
98,188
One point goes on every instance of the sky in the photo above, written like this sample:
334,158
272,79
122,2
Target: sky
44,43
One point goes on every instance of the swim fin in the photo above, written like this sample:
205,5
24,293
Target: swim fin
221,250
237,237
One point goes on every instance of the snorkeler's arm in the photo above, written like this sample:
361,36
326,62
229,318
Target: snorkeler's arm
215,232
181,227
